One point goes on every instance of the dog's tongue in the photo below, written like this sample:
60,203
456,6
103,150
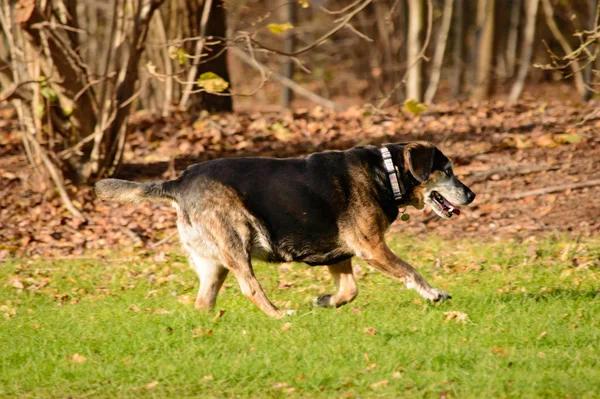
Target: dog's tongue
451,209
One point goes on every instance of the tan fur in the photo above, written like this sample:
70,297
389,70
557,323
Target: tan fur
220,234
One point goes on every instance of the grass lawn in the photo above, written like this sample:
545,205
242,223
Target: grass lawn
526,324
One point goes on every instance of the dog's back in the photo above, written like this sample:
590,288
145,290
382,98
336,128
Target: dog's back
294,204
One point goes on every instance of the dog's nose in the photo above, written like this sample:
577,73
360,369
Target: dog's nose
470,196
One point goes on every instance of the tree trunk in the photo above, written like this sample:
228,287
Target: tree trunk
213,28
513,36
517,89
440,50
288,64
485,51
458,54
414,85
587,72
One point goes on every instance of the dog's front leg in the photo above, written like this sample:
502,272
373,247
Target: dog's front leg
381,257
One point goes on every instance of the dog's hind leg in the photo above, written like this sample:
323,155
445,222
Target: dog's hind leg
346,285
234,243
242,270
212,276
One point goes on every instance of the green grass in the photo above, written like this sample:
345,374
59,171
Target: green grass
533,328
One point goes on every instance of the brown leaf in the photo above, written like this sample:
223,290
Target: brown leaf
201,332
370,330
77,358
185,299
460,317
378,384
279,385
219,314
286,326
499,351
134,308
151,385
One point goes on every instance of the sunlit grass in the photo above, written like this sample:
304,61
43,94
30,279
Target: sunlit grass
116,326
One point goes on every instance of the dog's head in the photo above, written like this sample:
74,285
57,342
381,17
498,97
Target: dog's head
437,186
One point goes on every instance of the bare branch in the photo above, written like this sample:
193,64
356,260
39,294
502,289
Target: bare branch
333,31
285,81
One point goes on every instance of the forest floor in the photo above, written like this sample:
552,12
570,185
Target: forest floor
501,152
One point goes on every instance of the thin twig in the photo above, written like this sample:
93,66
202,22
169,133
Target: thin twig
187,91
551,189
333,31
480,175
285,81
164,240
343,10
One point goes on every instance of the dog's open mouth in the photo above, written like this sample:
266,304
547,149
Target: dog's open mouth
444,205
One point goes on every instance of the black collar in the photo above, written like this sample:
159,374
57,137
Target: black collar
392,174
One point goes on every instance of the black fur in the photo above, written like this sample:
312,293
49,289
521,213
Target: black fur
299,201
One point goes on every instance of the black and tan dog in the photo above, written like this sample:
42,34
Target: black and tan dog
322,210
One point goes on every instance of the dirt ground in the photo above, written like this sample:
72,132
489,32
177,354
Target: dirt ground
501,153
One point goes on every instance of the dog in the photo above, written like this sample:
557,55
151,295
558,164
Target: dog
322,209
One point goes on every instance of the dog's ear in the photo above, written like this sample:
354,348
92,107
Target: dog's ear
418,158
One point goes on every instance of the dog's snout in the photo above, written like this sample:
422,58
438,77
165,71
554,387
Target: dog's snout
470,196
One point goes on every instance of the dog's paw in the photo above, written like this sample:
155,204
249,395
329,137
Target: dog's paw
439,295
323,301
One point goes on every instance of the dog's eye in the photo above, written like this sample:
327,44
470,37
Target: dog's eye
448,172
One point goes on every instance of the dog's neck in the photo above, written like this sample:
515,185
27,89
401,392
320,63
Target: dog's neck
392,175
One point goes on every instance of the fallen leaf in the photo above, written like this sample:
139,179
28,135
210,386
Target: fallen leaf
219,314
545,141
378,384
151,385
208,377
185,299
77,358
286,326
279,385
134,308
568,138
499,351
201,332
370,330
460,317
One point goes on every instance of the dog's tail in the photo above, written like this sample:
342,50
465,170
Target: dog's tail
125,191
